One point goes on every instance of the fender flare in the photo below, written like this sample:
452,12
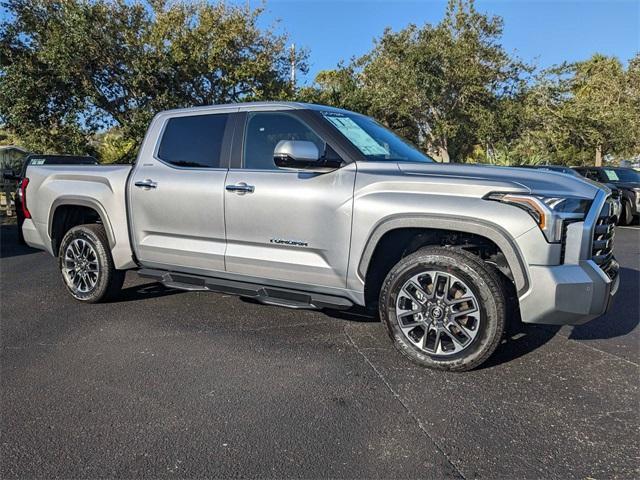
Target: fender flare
74,200
490,230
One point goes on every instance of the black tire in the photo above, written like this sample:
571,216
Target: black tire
21,240
20,222
626,215
485,284
109,280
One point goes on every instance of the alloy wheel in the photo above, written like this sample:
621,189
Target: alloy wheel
81,268
438,313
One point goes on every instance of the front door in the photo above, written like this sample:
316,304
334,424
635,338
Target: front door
289,225
176,196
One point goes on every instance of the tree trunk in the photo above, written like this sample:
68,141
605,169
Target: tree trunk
444,155
443,152
599,156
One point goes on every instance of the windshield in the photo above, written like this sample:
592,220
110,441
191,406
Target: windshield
622,175
373,140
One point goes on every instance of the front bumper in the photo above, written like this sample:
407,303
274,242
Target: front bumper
567,294
582,287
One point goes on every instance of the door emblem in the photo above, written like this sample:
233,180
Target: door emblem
294,243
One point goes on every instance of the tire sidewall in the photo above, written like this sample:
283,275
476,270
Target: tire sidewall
490,321
626,215
88,235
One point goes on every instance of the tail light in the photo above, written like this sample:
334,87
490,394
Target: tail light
23,197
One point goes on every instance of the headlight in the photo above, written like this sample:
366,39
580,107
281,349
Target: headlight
548,212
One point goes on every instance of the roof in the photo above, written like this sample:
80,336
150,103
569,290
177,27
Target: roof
257,106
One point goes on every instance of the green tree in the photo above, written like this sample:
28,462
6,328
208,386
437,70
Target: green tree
577,113
112,147
440,85
71,68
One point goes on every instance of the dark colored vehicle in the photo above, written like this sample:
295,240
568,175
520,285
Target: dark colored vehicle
555,168
22,181
627,180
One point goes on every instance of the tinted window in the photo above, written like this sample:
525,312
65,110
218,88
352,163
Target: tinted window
590,174
193,141
265,130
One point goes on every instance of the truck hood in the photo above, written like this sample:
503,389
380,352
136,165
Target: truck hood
525,180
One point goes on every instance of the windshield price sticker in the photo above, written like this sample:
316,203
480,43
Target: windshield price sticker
361,139
612,175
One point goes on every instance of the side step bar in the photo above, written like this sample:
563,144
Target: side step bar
280,296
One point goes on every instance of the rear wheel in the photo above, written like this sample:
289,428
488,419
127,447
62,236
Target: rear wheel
86,264
444,308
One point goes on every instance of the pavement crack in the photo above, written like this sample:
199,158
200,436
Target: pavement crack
398,398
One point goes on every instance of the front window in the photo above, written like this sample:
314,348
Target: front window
373,140
263,132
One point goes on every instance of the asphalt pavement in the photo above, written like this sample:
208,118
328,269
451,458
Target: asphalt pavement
163,383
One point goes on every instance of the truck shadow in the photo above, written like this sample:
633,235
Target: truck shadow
145,291
521,340
9,246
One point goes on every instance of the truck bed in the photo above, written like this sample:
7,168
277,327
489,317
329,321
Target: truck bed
97,187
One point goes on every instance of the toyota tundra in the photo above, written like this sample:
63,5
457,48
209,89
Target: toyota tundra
308,206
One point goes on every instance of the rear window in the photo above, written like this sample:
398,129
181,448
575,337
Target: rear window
193,141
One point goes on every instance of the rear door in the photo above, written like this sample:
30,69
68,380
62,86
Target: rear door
282,224
176,194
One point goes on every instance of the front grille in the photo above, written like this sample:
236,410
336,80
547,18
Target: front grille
603,235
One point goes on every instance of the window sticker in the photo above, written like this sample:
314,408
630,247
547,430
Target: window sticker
37,161
612,175
361,139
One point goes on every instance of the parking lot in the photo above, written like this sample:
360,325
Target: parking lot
168,383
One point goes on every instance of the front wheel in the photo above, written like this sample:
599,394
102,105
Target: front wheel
626,216
444,308
86,264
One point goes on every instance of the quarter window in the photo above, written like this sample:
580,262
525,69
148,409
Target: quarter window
264,131
193,141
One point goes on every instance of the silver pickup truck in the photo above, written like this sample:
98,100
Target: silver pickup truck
309,206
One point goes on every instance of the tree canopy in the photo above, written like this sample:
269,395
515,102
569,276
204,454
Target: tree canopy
454,90
87,76
71,68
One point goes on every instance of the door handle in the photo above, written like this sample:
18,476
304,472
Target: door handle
240,188
146,184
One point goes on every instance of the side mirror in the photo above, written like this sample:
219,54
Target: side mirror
301,154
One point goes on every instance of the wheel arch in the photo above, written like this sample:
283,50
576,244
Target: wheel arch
402,229
59,222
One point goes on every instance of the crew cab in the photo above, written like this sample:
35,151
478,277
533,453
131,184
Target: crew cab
308,206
